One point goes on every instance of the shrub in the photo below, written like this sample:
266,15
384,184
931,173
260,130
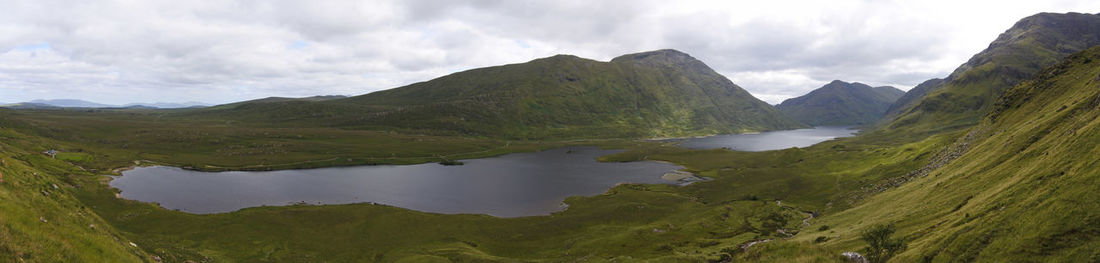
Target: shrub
880,247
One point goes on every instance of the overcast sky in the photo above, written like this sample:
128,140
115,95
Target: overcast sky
222,51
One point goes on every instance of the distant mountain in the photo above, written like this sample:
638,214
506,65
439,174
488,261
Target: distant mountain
72,103
75,103
841,103
968,93
28,105
652,94
167,105
277,100
912,96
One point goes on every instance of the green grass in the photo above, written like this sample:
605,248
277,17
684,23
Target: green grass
42,221
1025,189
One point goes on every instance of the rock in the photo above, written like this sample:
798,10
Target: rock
854,257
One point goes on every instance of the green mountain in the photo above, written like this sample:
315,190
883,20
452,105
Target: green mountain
1020,186
970,91
841,103
661,93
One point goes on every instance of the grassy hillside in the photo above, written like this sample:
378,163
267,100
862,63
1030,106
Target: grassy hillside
969,92
841,103
41,220
1021,186
654,94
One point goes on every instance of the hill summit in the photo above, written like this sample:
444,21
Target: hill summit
841,103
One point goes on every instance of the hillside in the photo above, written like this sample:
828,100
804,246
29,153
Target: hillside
841,103
970,91
911,97
662,93
41,220
1014,187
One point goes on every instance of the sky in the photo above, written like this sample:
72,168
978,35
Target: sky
119,52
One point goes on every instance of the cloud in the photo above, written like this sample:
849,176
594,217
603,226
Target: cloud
222,51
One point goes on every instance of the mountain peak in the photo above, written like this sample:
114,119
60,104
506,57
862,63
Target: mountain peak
841,103
658,57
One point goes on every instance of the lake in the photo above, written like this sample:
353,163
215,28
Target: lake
766,141
513,185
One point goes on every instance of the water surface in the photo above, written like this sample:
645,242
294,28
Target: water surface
520,184
766,141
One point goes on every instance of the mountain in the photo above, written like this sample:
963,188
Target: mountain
912,96
969,92
841,103
661,93
1021,185
168,105
72,103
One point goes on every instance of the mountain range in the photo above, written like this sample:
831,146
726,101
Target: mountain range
663,93
841,103
76,103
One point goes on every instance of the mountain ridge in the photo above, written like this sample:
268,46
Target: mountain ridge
968,92
662,93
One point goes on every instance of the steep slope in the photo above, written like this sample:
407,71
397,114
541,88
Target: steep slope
1021,186
969,92
841,103
40,219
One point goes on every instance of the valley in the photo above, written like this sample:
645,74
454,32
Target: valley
561,159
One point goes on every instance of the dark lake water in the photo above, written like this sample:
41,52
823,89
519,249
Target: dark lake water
766,141
513,185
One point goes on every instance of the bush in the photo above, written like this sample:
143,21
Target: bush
880,247
823,228
821,239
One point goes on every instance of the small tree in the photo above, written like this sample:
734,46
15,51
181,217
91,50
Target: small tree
880,247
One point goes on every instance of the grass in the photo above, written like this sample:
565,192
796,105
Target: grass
1022,191
42,221
702,221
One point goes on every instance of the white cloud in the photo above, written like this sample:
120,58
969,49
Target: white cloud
222,51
